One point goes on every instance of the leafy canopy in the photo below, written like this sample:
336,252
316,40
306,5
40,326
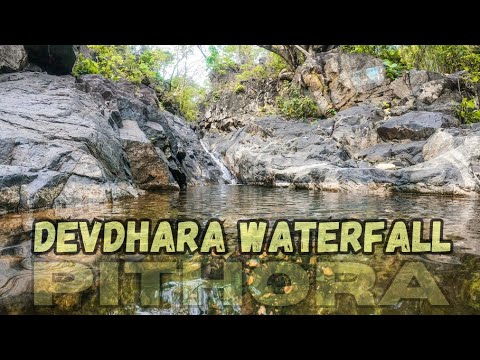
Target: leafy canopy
123,62
446,59
147,65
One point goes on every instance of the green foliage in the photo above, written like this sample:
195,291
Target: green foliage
187,94
330,112
384,52
445,59
467,111
221,59
239,88
392,69
148,65
252,71
294,104
118,62
216,95
275,63
85,66
244,60
243,63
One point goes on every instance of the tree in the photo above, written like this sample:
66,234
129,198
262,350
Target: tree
151,66
116,62
295,55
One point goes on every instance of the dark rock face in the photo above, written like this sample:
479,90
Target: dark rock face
354,128
415,125
401,154
56,141
175,141
149,170
60,145
54,59
233,109
12,58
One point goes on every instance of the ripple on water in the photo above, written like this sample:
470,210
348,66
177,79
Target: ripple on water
232,203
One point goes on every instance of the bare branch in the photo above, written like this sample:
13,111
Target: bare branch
294,55
303,51
201,51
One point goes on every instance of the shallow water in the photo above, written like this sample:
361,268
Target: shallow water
457,274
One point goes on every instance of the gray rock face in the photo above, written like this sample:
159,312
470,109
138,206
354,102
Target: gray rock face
415,125
344,153
60,145
56,141
399,154
174,140
12,58
233,109
352,78
451,167
276,152
355,128
337,81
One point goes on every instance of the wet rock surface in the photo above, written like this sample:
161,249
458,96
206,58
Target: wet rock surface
64,142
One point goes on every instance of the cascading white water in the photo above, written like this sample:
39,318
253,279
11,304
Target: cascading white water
226,174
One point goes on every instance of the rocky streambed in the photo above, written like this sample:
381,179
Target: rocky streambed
70,141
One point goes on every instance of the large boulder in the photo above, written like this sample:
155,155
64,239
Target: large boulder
12,58
355,128
57,144
415,125
411,81
399,154
452,165
353,78
149,171
428,91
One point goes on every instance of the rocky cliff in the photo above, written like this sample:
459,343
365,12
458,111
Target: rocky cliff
386,135
67,141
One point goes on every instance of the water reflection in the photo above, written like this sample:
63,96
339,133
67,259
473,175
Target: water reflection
457,274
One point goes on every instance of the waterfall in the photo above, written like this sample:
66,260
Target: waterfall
226,174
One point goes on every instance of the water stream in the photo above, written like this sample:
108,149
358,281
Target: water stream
226,173
457,274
